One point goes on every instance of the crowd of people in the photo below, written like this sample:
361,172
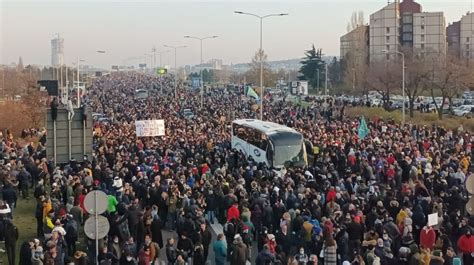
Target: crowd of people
359,201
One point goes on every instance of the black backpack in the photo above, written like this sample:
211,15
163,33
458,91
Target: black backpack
229,230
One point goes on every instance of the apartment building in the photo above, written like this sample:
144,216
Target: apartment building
356,43
453,36
429,34
384,32
400,25
467,36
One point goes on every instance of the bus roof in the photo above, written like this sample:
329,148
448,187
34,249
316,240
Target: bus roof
264,126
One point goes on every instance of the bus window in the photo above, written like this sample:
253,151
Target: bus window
263,141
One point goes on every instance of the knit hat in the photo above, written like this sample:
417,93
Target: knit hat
413,248
403,252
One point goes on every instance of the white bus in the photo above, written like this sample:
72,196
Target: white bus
270,143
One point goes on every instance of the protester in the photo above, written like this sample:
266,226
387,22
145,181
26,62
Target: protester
362,199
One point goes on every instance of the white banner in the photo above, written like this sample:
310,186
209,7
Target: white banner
150,128
432,219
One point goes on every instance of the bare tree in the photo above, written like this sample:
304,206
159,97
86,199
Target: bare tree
417,76
449,78
385,78
34,107
253,74
355,72
357,20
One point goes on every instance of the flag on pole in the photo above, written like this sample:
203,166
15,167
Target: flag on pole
252,93
363,129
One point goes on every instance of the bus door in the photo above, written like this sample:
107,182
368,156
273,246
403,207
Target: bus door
269,153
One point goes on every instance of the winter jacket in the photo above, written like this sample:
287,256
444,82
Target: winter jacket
466,244
264,258
427,238
330,255
11,233
435,260
239,254
233,213
220,252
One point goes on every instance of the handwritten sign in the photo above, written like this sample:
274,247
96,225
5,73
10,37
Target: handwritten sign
432,219
150,128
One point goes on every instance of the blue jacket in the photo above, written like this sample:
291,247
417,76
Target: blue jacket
220,252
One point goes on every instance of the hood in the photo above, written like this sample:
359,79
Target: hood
418,209
440,259
407,221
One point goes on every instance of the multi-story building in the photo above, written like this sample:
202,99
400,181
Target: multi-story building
467,36
384,32
401,26
57,51
356,43
453,36
429,34
407,9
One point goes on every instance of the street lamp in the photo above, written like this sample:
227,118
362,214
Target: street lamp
261,51
202,81
403,80
175,67
151,59
160,53
161,77
78,82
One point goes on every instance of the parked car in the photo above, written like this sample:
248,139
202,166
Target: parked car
464,111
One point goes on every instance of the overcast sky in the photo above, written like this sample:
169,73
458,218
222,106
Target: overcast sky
126,29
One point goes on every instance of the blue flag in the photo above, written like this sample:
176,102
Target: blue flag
363,129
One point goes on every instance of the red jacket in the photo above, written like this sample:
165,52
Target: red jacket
331,196
427,238
466,244
233,213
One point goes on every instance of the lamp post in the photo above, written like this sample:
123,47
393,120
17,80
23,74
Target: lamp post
161,77
175,67
160,53
201,62
353,79
151,59
261,52
78,82
403,80
317,71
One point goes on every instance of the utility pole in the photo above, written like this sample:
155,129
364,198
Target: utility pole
175,67
154,57
326,80
262,90
201,62
317,70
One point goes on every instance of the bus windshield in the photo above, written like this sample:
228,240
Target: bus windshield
288,149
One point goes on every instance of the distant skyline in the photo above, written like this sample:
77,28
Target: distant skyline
126,29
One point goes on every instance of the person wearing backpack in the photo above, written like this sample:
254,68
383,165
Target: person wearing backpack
229,232
11,236
71,237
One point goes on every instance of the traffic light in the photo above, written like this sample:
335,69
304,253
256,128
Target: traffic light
161,71
470,190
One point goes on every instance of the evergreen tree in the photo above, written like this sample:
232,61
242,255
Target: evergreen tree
313,64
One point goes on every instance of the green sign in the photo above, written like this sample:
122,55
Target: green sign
161,71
